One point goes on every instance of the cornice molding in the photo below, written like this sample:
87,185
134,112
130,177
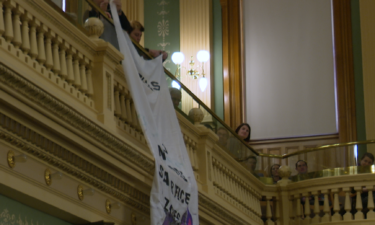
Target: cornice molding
27,89
92,175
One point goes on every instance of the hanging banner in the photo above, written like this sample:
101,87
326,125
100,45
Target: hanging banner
174,194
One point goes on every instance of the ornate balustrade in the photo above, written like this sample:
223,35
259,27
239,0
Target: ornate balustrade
65,104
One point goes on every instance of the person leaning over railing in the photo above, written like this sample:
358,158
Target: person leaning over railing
136,34
274,171
104,5
236,147
244,132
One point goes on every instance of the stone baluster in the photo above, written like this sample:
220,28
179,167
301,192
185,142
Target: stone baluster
56,57
196,164
33,38
223,180
336,205
90,88
9,5
316,218
82,68
48,46
241,197
41,50
370,203
277,205
236,189
189,149
306,207
135,118
269,211
226,184
128,111
326,209
215,176
26,17
17,40
232,188
292,212
77,74
299,214
257,198
358,204
123,105
69,64
117,101
347,216
2,26
64,47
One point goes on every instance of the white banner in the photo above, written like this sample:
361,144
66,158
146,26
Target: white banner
174,194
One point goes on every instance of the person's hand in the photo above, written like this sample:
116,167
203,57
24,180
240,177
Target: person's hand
154,53
118,6
103,5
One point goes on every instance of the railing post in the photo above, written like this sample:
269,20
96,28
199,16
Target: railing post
358,205
326,209
347,216
102,73
370,202
316,218
205,146
285,209
336,206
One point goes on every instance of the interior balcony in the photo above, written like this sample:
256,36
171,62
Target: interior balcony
72,146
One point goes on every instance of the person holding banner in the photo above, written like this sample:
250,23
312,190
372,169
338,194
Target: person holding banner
136,34
174,192
104,5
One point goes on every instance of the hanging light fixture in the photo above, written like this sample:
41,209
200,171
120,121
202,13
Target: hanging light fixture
203,56
177,58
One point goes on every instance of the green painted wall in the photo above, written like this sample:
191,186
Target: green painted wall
162,28
13,212
218,59
358,76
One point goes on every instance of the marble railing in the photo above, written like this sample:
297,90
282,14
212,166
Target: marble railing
88,129
33,38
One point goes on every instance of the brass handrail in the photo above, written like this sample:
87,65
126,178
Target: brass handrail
170,75
317,148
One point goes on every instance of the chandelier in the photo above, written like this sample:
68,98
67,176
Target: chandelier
202,56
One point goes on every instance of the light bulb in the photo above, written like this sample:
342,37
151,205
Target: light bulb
203,83
203,56
176,85
178,57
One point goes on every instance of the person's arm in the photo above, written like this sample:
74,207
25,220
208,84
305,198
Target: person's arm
125,24
156,53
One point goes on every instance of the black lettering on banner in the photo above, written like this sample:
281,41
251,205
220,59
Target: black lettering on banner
177,192
155,85
166,204
164,174
187,198
182,196
166,178
172,185
161,171
162,152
